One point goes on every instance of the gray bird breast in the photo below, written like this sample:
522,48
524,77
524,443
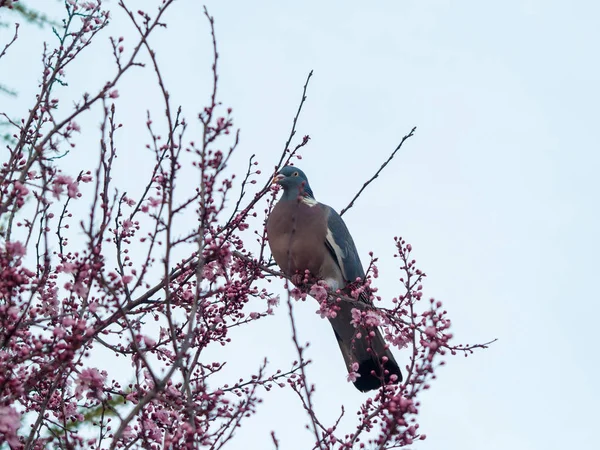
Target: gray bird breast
296,234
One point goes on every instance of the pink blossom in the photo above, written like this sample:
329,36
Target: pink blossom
20,190
297,294
90,380
10,421
60,181
152,429
188,295
59,332
67,267
80,289
356,317
327,311
128,433
114,94
372,319
318,292
72,190
15,248
57,189
63,179
154,202
430,331
353,375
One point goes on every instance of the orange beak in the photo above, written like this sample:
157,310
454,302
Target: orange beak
277,178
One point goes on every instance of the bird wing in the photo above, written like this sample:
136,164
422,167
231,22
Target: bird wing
341,246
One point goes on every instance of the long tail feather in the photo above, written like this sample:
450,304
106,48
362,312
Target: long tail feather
376,363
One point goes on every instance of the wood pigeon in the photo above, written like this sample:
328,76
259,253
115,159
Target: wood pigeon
307,235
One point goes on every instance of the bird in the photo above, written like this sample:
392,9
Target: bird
306,235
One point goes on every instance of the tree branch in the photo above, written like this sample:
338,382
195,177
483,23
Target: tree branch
351,204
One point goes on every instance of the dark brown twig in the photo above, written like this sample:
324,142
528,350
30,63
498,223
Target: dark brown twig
293,131
378,172
15,36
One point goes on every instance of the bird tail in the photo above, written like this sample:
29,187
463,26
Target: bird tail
368,351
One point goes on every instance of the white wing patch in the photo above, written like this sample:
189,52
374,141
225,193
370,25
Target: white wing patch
339,253
309,201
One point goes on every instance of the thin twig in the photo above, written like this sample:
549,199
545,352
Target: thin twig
293,131
378,172
15,36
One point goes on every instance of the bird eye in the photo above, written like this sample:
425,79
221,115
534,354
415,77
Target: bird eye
295,174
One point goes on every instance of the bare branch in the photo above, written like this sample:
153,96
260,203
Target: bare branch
378,171
293,130
14,38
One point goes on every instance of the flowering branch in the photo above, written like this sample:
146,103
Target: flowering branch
93,276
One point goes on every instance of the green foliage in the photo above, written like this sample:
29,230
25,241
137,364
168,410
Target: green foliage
106,409
30,15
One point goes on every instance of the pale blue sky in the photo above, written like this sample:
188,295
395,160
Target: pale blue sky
497,191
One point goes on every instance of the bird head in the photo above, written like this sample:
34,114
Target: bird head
293,181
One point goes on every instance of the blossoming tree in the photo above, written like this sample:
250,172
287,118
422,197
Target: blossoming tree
135,279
